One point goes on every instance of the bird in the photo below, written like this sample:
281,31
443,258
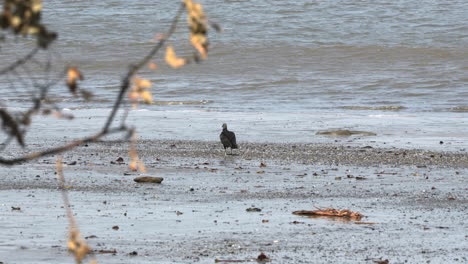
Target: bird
228,138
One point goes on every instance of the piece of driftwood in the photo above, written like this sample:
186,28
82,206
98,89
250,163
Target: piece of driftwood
331,212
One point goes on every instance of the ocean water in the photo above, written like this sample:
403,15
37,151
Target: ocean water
280,71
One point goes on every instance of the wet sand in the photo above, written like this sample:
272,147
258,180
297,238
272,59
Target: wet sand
415,203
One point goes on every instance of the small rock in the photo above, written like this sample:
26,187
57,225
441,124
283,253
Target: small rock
148,179
262,258
115,227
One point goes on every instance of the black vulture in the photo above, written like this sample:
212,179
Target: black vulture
228,138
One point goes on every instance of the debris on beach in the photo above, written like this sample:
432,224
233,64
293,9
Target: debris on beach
263,164
262,258
253,209
13,208
332,213
107,251
115,227
119,160
148,179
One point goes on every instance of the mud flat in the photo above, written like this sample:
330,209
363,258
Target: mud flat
414,201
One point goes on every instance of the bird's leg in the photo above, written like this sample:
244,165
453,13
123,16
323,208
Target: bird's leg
231,151
225,154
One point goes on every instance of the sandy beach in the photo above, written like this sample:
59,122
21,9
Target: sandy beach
351,105
414,202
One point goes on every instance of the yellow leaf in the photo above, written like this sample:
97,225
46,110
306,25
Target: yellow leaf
73,74
147,97
15,21
142,83
78,246
133,166
200,42
36,6
198,27
133,96
172,59
33,30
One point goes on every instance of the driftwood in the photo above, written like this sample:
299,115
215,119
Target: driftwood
331,212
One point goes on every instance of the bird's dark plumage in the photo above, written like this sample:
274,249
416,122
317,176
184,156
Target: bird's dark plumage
228,138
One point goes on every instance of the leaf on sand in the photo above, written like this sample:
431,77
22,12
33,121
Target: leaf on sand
73,74
172,59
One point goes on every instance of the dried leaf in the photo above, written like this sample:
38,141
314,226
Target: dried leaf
36,6
77,246
142,83
147,97
140,90
172,59
198,27
73,74
200,42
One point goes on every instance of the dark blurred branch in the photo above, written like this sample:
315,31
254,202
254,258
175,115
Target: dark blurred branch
63,148
40,100
20,62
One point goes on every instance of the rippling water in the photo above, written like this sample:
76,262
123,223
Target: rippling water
351,58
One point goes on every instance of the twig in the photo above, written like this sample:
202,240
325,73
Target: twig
19,62
60,149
